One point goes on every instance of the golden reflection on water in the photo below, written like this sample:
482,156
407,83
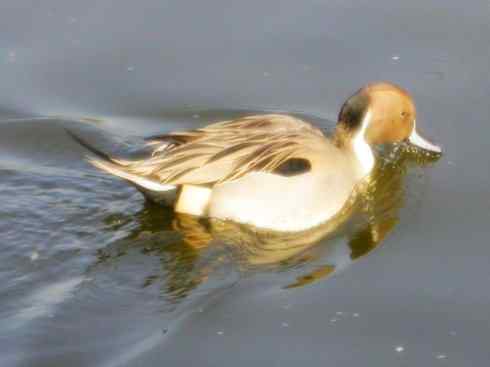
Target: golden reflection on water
191,248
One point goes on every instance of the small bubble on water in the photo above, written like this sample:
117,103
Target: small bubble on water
266,74
333,320
395,57
220,332
399,348
72,20
34,255
196,116
130,68
355,314
339,313
11,56
452,333
441,356
285,324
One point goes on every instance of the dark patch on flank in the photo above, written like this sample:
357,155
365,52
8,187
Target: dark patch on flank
293,167
353,110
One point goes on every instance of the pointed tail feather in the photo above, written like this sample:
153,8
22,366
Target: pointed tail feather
91,148
153,189
120,171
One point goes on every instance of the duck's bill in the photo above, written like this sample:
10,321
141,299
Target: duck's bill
420,142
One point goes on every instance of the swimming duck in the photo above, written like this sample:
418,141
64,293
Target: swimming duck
272,171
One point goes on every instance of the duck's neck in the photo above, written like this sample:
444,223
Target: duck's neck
355,143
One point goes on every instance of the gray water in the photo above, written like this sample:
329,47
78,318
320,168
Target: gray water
93,276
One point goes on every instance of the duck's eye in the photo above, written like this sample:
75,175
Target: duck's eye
293,167
403,114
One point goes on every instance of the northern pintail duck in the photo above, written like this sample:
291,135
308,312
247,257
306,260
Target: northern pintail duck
272,171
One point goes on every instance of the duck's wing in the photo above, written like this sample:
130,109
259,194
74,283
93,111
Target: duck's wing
225,151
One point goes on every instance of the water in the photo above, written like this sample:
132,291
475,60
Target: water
93,275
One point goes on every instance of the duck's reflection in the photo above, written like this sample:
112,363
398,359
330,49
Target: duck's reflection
191,249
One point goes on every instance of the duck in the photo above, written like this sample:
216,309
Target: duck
271,171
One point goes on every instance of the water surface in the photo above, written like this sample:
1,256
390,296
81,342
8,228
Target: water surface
93,275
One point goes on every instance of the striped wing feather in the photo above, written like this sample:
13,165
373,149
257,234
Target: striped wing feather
226,150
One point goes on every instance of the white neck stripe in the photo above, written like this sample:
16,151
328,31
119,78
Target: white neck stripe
362,150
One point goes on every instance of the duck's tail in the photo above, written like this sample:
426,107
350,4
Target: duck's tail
152,189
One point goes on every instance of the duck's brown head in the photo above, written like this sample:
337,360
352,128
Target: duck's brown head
382,113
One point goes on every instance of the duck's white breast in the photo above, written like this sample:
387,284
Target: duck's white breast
280,203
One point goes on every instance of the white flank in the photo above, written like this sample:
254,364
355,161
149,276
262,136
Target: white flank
193,200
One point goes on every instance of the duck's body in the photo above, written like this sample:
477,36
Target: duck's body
273,200
271,171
